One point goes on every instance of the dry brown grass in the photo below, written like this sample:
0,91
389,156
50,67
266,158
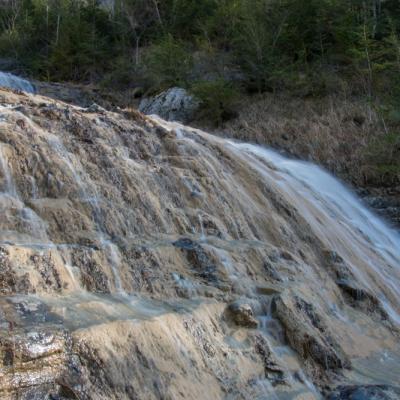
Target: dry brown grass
135,115
335,133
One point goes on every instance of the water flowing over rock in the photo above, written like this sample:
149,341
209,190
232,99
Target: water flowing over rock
132,249
11,81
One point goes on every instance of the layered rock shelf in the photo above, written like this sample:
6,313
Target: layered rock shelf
143,259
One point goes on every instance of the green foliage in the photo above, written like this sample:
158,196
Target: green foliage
383,156
394,117
59,39
217,98
218,48
310,47
185,18
168,62
123,74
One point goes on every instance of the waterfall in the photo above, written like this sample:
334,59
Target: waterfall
9,186
329,210
274,333
88,194
36,226
14,82
307,183
248,273
337,218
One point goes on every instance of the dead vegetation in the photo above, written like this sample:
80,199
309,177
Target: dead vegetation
334,132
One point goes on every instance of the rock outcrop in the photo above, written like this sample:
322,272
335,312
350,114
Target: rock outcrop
368,392
175,104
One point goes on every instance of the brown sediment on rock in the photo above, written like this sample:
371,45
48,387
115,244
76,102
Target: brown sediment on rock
124,240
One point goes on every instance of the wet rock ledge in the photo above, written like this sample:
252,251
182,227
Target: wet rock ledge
144,259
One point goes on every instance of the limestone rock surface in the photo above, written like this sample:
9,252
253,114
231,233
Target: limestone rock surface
124,238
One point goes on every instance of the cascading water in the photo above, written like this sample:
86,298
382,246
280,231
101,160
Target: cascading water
330,211
36,227
337,217
9,186
14,82
274,333
242,271
88,194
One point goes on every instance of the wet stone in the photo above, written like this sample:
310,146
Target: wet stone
268,290
185,244
199,260
103,212
271,364
242,314
367,392
271,271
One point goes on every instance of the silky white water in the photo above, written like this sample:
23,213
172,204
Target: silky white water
9,197
330,211
14,82
88,194
338,218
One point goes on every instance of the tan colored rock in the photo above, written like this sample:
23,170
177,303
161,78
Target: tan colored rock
242,314
124,238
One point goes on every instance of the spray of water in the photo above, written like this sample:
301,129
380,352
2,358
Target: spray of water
14,82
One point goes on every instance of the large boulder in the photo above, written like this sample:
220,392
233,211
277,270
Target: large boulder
175,104
366,392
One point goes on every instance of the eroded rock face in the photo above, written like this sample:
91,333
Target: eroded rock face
124,239
175,104
307,332
368,392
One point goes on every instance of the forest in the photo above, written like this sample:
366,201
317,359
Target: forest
305,45
217,49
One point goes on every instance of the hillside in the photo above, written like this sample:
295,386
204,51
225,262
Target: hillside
317,79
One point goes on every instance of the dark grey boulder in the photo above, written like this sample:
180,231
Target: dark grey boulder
365,392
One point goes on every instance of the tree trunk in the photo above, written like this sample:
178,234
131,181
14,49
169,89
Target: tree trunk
58,29
155,2
137,55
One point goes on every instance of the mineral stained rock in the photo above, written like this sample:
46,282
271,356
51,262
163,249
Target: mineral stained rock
125,238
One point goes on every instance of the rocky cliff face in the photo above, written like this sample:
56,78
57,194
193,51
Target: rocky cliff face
141,259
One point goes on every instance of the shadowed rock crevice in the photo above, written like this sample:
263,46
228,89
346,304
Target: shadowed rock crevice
367,392
353,292
308,334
